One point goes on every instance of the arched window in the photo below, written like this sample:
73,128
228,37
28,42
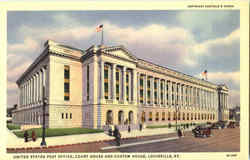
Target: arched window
109,117
120,117
183,116
187,116
191,116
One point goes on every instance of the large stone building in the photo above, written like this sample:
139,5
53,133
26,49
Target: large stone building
108,85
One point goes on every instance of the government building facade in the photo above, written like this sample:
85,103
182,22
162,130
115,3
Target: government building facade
104,86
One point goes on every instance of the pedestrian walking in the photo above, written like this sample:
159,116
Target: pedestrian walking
26,135
129,128
179,133
117,136
33,135
140,126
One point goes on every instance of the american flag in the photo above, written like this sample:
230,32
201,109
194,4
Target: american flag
99,28
204,74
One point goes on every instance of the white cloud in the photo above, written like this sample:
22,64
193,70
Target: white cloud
29,45
223,77
12,86
16,72
203,48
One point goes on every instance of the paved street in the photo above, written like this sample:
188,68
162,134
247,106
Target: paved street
227,140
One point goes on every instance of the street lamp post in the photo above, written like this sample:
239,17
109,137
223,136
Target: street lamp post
45,101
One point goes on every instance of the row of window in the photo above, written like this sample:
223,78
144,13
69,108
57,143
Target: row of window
185,116
66,115
117,83
191,95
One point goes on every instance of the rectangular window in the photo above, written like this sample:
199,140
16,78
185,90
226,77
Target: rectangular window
127,88
150,116
117,84
106,84
70,116
62,115
141,90
66,116
148,90
163,116
157,116
66,83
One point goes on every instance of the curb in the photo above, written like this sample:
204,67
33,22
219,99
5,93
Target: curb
79,143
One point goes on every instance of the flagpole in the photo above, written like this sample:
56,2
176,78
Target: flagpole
102,37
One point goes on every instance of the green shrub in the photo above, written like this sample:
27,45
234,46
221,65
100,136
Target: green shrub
12,126
53,132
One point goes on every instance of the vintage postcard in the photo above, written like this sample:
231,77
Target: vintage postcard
136,80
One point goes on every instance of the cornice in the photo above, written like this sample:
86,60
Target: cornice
174,74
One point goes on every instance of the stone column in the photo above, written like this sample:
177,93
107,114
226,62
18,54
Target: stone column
102,81
200,100
130,86
174,85
24,93
152,90
44,79
227,101
29,91
145,89
37,87
165,93
134,88
124,83
138,89
170,93
41,85
113,82
32,89
191,97
158,91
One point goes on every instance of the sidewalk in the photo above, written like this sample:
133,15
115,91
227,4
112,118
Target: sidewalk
15,142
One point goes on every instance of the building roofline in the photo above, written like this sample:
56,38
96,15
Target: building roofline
44,53
177,72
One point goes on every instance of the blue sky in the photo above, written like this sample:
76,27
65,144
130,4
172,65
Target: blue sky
187,41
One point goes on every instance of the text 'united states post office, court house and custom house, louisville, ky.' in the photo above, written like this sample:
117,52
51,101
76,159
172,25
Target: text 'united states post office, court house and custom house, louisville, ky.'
104,86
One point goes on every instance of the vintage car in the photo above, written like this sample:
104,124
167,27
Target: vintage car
202,131
218,125
232,124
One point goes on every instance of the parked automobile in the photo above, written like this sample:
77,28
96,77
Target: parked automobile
219,125
231,125
202,131
216,126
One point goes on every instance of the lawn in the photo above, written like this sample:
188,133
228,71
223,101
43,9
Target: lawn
52,132
11,126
